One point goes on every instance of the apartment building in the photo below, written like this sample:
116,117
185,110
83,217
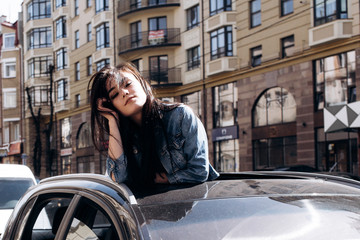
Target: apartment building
259,74
11,93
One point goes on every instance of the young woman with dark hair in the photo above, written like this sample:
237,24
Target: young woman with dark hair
149,141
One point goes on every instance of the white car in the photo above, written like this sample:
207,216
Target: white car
14,182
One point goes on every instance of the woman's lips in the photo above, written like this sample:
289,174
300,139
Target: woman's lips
129,98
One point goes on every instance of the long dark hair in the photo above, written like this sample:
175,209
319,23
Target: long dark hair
138,175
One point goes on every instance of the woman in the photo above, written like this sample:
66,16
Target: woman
149,141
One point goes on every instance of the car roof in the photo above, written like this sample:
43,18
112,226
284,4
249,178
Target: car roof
16,171
245,184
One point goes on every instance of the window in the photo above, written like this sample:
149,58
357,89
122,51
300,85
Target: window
102,63
275,106
77,71
158,69
256,54
39,95
275,152
136,63
77,39
329,10
61,59
89,37
61,90
102,36
38,67
226,153
88,3
287,46
156,2
193,58
60,26
157,23
89,65
77,100
221,42
335,80
225,105
255,13
101,5
217,6
134,4
65,125
60,3
9,97
194,101
9,69
9,40
38,9
39,38
6,132
287,7
136,37
76,7
11,130
192,17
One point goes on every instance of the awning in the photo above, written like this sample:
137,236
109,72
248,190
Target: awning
343,117
15,148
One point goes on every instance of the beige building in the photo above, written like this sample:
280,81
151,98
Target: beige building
258,73
11,93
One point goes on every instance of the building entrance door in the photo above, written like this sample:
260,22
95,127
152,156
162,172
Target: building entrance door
339,157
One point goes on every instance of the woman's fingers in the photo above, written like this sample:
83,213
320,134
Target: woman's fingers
161,178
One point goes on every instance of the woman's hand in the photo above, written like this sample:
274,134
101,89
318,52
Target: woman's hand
161,178
105,111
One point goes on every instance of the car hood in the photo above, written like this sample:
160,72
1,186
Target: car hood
4,216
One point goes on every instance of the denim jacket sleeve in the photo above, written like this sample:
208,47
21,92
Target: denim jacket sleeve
118,167
195,151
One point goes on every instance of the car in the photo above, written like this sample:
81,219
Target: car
246,205
15,179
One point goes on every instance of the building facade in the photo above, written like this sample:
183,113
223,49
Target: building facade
259,74
11,93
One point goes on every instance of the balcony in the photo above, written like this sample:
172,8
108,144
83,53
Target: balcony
126,7
335,30
169,77
62,106
147,39
220,65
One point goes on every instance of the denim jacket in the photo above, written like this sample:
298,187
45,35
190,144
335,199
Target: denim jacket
182,148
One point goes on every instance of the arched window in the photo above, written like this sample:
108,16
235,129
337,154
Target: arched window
274,146
275,106
83,138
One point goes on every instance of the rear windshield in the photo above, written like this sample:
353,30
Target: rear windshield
11,190
295,217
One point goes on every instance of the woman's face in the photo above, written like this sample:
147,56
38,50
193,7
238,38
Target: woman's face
127,95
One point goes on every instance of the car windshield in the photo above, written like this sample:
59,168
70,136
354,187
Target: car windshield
278,217
11,189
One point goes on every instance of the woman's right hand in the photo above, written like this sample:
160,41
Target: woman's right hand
104,110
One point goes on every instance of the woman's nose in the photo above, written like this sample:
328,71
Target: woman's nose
125,92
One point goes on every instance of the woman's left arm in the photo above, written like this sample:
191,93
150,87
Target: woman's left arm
195,151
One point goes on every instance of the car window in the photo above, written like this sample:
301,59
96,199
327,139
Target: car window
11,190
91,222
45,218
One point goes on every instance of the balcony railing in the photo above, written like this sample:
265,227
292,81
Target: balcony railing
162,37
126,6
166,77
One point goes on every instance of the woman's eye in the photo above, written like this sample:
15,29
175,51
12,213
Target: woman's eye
128,84
114,96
